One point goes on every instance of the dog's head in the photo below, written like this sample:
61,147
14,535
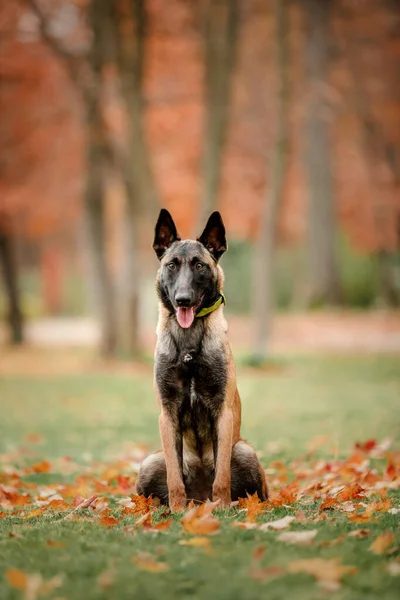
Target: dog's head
189,275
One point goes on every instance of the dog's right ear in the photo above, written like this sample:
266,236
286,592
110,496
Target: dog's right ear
165,233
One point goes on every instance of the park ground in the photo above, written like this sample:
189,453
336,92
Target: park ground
73,431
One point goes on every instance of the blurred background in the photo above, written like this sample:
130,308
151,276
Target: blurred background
282,114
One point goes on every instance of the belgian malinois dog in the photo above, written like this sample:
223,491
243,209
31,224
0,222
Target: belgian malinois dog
203,454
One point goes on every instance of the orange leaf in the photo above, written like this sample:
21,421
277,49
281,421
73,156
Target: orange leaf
35,513
359,533
261,574
16,578
54,544
58,505
253,505
108,521
350,492
143,505
329,503
42,467
327,572
382,542
362,518
146,561
200,521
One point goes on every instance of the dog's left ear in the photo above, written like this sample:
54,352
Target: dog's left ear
213,236
165,233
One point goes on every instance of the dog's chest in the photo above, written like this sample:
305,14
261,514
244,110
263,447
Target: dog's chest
196,422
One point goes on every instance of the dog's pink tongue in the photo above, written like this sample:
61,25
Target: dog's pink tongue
185,316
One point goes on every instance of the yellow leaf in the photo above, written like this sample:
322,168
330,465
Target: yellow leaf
278,524
146,562
327,572
302,538
382,542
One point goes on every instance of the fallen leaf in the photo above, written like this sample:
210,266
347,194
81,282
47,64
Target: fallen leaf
351,492
244,525
382,542
393,568
263,573
327,572
108,521
253,506
197,542
360,533
200,521
142,505
106,578
278,524
12,534
42,467
146,562
54,544
16,578
360,518
35,513
329,543
329,503
302,538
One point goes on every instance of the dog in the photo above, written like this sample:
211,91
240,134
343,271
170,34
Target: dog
203,455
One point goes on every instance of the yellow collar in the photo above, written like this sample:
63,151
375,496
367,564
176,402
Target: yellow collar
209,309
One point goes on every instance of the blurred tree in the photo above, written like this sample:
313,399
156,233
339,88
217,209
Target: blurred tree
378,152
323,275
85,71
220,51
10,278
129,18
263,291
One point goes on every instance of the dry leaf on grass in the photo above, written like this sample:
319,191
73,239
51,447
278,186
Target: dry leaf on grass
244,525
360,533
54,544
146,522
147,562
108,521
253,506
329,503
302,538
382,543
327,572
393,567
32,584
278,524
263,573
200,520
198,542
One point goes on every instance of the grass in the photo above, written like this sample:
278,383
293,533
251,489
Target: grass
105,421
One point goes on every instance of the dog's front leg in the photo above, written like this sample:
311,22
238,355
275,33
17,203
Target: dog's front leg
223,448
171,439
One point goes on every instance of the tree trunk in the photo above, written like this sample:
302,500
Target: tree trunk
135,165
265,246
97,159
376,152
10,277
221,37
323,274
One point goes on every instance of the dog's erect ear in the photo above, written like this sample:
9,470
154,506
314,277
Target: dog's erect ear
165,233
213,236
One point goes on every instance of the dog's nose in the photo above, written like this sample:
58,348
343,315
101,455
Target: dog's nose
183,299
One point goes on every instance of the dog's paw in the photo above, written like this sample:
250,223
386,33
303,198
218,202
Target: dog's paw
177,499
223,495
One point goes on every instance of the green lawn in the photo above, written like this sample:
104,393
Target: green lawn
306,409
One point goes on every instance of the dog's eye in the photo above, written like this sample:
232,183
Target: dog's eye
171,266
199,266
